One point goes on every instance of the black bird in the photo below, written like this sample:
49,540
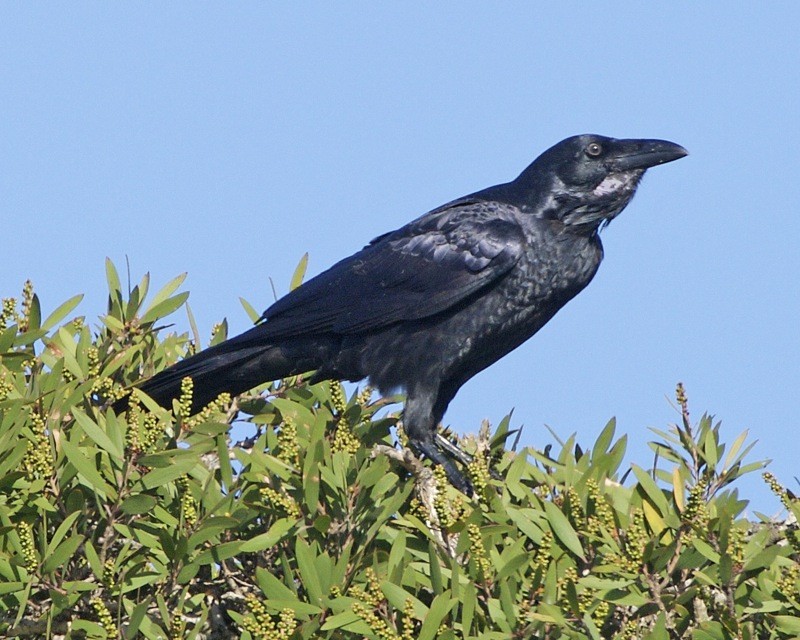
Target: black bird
426,307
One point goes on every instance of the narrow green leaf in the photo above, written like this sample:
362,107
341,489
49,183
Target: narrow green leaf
299,273
62,531
86,469
269,539
711,449
469,601
678,489
396,562
653,517
397,597
436,570
93,559
730,459
308,572
193,325
158,477
219,552
11,587
164,308
211,528
112,277
273,588
223,455
165,292
35,314
62,553
91,429
137,614
604,439
651,490
659,630
511,565
90,629
349,621
706,550
139,503
562,529
440,607
61,312
254,315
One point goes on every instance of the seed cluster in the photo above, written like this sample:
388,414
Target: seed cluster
264,626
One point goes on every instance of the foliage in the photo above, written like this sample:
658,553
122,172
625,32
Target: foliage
318,524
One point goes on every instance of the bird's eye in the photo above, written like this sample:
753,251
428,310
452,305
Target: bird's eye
594,149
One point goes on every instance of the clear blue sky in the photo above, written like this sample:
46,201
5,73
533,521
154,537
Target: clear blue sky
227,139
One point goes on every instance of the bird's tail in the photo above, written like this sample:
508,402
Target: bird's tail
233,366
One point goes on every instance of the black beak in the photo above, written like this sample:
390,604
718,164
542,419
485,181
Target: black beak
643,154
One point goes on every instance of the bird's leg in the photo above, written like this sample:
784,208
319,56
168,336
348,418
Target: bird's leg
459,454
420,423
430,450
453,449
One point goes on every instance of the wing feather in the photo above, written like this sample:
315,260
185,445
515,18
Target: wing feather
420,270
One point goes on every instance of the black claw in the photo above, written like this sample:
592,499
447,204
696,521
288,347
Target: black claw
433,453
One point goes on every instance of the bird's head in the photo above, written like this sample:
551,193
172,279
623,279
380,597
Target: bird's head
585,181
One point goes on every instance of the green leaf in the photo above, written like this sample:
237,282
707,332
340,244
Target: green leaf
397,553
62,553
180,467
435,569
254,315
193,325
604,439
61,312
10,587
659,630
512,564
219,552
272,587
91,429
706,550
651,490
562,529
653,518
138,503
87,470
269,539
308,571
166,291
469,602
112,277
164,308
440,607
93,559
299,273
62,531
349,621
35,314
711,449
137,613
91,629
397,597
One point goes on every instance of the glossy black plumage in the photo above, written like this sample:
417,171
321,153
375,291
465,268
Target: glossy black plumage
426,307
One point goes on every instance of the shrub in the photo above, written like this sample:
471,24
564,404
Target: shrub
318,523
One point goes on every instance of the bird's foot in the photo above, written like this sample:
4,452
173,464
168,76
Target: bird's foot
462,456
455,477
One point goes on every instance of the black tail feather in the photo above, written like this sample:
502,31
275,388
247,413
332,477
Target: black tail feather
233,366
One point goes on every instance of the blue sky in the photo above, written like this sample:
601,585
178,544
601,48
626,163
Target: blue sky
229,140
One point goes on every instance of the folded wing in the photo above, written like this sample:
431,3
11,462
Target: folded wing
416,272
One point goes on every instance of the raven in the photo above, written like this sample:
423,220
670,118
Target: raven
427,306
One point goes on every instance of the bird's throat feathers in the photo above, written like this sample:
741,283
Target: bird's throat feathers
588,209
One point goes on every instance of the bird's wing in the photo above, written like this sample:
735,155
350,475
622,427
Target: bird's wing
415,272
